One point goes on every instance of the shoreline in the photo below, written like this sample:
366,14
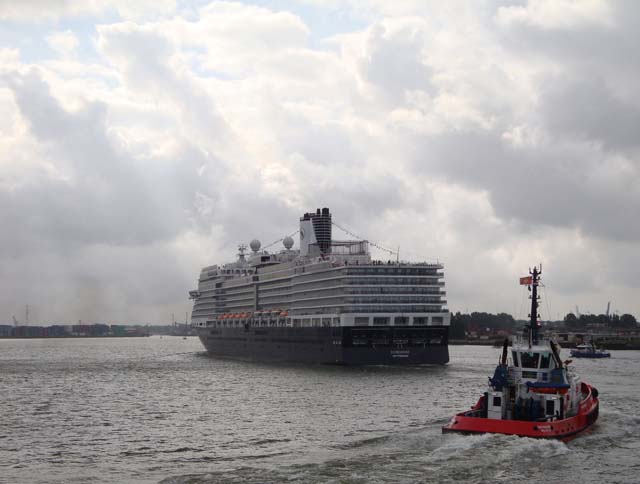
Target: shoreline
615,346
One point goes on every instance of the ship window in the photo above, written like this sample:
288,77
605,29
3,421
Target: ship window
515,358
497,401
361,321
420,321
545,359
438,319
550,407
380,321
401,321
529,359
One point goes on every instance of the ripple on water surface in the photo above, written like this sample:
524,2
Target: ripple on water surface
158,409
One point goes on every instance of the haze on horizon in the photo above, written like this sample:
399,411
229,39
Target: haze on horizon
142,140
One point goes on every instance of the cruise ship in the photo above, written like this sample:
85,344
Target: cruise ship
326,302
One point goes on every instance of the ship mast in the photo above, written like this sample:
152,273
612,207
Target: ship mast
533,323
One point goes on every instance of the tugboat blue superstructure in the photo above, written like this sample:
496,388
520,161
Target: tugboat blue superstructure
533,393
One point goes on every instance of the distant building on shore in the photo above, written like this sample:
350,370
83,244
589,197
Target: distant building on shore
79,330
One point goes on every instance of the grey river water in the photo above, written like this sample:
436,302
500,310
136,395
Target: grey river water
147,410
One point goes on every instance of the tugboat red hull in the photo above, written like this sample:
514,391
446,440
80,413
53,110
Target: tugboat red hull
472,421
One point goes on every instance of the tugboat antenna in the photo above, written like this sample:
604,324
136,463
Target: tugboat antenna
533,323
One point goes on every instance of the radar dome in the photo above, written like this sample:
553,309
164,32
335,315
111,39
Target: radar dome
255,245
288,242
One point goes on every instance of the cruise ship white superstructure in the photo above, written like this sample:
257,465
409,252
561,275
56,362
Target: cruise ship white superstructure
326,302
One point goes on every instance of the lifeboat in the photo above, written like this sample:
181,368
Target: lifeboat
533,393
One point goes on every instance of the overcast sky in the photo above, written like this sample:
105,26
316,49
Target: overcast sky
141,140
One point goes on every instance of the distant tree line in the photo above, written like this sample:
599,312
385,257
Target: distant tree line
461,324
574,323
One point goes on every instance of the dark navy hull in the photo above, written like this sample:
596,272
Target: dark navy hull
578,354
398,345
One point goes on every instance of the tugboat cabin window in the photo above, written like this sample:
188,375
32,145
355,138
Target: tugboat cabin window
497,401
550,407
545,359
529,359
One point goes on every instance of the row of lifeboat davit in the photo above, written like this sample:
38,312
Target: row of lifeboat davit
264,314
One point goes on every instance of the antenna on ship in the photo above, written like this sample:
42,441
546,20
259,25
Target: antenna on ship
242,248
533,322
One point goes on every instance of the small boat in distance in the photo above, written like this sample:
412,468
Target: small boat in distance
535,394
589,350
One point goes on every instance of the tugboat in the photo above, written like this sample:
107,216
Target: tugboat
533,393
589,350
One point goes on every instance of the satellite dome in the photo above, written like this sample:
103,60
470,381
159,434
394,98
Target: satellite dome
288,242
255,245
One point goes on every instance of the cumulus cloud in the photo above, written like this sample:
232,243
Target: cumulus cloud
64,43
488,135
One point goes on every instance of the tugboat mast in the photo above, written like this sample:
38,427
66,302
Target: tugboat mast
533,323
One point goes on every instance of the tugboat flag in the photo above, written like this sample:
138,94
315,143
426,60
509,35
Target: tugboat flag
526,281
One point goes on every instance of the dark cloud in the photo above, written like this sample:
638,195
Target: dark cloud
101,194
593,93
394,62
102,209
555,185
600,45
588,110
